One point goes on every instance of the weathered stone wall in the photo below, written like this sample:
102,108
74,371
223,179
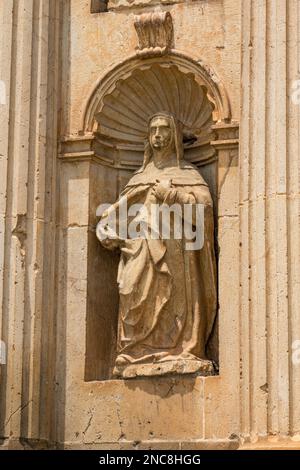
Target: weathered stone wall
54,277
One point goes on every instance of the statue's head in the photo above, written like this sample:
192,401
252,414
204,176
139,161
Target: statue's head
164,133
161,133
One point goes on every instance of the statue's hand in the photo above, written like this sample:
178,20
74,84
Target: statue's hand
161,189
111,244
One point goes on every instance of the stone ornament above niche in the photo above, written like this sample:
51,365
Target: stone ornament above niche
155,33
99,6
119,4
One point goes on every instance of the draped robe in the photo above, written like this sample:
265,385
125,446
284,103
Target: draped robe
167,293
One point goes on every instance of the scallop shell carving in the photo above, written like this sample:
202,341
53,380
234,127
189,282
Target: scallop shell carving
125,112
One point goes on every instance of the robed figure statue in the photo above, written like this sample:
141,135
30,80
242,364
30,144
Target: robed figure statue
168,293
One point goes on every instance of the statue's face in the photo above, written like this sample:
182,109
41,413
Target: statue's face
160,133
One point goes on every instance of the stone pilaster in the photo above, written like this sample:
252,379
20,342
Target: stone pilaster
29,61
269,219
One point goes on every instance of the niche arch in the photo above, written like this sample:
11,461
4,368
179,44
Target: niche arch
114,119
202,73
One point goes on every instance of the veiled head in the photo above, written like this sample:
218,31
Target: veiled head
164,131
161,133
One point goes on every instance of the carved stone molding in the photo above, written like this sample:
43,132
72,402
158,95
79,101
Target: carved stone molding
123,4
227,136
155,33
100,6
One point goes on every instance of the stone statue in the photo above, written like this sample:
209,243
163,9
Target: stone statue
168,297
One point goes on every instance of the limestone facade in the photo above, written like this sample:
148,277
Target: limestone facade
61,67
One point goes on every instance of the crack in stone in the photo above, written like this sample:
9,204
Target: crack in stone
20,408
231,158
89,423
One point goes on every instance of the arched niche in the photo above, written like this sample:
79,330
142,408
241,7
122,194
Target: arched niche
201,72
115,127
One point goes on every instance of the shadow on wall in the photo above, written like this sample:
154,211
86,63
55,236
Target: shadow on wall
98,6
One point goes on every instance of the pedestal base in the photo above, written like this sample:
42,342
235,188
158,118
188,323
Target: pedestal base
200,367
